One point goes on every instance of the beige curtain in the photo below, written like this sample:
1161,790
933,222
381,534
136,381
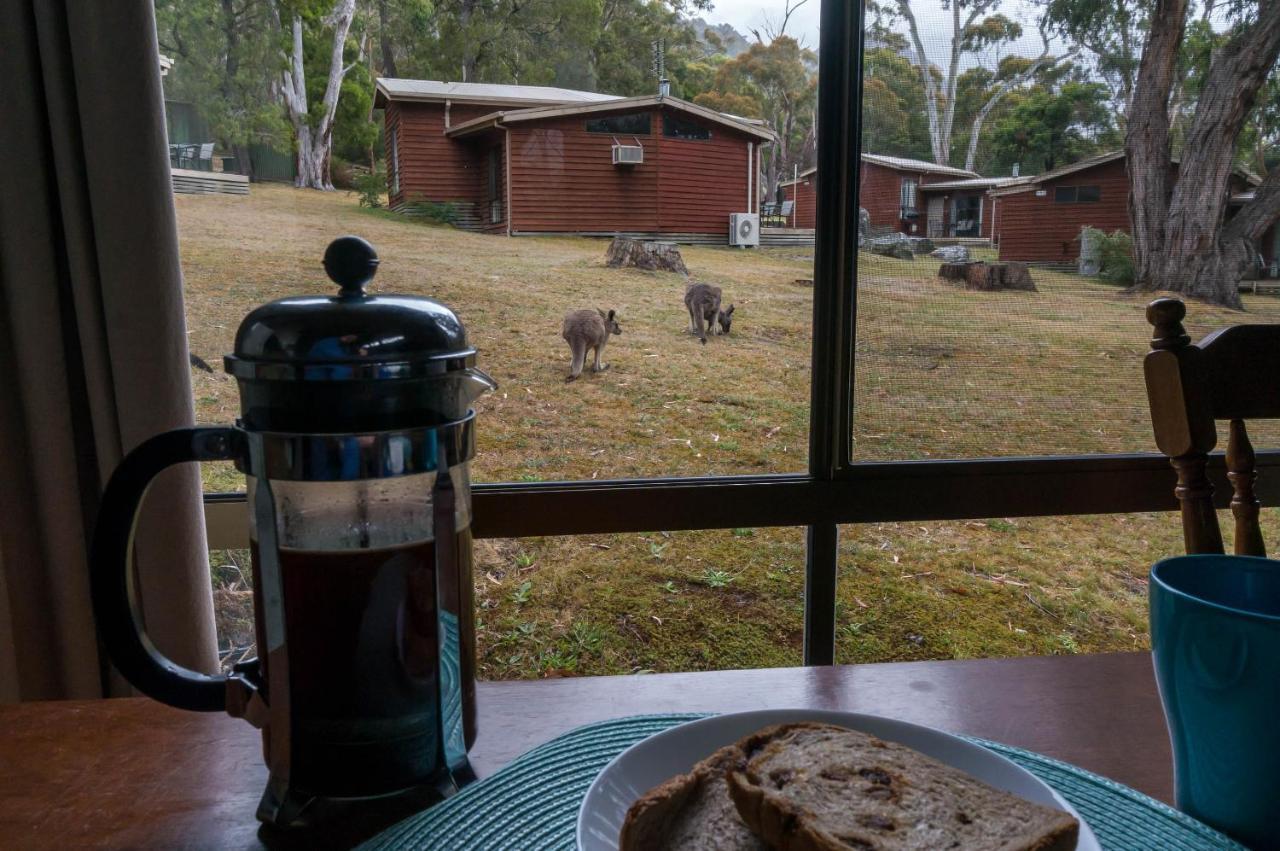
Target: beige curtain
93,350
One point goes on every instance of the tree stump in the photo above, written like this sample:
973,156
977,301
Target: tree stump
653,256
988,277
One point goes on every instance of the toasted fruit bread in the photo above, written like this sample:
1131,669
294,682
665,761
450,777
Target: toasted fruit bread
690,812
816,787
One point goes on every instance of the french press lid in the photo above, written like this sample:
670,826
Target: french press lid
353,362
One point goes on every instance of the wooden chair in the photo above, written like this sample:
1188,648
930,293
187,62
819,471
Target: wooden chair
1232,374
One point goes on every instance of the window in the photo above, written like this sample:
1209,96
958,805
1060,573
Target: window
395,161
635,124
908,196
1076,194
495,203
679,127
975,380
966,216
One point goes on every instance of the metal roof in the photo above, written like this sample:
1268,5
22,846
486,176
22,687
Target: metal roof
971,183
392,88
905,164
747,126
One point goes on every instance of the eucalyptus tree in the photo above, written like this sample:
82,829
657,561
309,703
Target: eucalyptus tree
1182,238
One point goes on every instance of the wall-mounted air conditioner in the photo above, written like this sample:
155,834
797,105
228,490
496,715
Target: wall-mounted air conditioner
627,154
744,229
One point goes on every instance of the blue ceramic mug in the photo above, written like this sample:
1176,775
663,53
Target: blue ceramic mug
1215,636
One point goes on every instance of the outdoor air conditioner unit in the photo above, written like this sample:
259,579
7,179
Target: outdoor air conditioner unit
744,229
627,154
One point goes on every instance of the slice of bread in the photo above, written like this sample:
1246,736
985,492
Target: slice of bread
815,787
690,812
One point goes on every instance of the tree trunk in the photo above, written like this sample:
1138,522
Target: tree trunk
1147,140
1045,60
1180,240
386,41
314,140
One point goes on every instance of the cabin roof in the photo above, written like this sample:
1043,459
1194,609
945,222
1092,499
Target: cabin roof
922,166
969,183
747,126
1022,184
438,91
905,164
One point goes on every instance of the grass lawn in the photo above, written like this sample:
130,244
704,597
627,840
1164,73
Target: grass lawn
941,373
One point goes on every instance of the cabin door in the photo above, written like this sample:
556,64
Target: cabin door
936,206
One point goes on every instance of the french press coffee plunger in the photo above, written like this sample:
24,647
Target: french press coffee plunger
355,436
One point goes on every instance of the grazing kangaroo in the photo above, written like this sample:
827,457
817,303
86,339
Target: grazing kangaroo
703,302
588,329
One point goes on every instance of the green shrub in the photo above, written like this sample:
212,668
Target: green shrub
369,185
1115,257
444,212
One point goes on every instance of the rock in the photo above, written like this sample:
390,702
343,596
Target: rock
898,250
654,256
922,245
951,254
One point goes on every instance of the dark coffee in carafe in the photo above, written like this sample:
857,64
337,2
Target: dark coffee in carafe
363,662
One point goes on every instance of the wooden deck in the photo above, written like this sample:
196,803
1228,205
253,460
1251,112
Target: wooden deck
190,182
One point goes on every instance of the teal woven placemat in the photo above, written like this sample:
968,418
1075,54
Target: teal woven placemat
532,804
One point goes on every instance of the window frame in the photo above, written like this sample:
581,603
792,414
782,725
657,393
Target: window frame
836,489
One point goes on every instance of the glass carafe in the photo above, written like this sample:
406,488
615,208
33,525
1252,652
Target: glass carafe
355,437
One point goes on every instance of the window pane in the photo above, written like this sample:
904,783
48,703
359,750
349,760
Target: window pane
636,123
499,196
605,604
679,127
1001,586
1002,313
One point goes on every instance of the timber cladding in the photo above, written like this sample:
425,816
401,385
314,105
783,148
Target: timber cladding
880,194
434,167
1033,226
563,179
805,195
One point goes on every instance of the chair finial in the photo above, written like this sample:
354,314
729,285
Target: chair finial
1166,315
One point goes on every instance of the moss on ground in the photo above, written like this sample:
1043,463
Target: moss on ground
941,373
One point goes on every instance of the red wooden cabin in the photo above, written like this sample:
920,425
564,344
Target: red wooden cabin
1038,219
897,194
530,160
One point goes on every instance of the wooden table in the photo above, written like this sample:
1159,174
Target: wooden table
132,773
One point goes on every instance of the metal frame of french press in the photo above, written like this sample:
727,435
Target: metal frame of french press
837,489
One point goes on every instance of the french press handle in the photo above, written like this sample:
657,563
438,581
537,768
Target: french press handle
114,604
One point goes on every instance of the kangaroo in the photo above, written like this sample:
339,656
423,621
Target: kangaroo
588,329
703,302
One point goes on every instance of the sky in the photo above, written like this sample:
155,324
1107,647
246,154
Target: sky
932,18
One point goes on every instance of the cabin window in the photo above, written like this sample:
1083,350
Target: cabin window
395,161
908,196
635,124
1077,194
675,127
495,205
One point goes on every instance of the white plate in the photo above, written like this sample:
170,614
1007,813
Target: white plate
649,762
